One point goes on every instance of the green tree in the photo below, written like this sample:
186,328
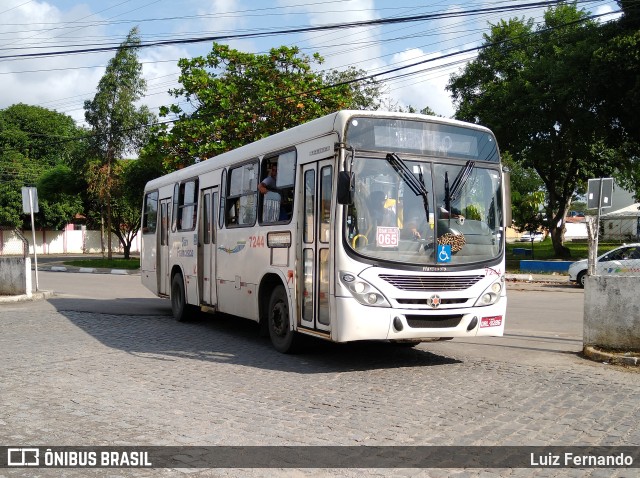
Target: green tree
533,87
616,69
365,94
117,126
235,98
33,141
60,196
129,177
527,195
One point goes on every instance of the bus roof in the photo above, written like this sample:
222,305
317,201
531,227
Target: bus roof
316,128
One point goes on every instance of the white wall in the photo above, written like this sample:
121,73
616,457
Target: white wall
62,242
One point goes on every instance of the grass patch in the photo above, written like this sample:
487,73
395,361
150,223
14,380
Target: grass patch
543,251
129,264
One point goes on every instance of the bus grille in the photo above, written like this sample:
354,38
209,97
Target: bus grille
431,283
433,321
443,301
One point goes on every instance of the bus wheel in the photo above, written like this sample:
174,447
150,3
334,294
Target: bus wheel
178,302
406,343
282,337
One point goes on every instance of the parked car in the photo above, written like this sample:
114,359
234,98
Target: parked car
619,261
532,237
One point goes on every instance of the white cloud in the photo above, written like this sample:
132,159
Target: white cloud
61,82
161,75
357,47
426,87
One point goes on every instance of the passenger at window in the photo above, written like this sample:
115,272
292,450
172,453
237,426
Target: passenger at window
269,183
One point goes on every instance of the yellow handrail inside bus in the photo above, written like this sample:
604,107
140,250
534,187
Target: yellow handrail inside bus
355,239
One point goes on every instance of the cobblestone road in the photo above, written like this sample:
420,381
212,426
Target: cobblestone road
85,378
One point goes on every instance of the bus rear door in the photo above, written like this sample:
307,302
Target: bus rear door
207,247
162,266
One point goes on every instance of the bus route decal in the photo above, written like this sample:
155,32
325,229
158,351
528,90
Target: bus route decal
239,246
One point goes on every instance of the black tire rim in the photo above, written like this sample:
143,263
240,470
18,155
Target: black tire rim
176,296
280,318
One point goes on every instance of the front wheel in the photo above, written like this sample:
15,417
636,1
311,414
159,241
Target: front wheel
282,336
581,278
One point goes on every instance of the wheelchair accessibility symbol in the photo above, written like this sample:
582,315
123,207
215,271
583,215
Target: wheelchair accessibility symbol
444,253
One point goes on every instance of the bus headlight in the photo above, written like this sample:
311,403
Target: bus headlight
363,292
491,295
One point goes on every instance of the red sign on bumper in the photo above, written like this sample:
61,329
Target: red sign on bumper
491,321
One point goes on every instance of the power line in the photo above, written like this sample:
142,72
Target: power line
264,33
392,79
358,80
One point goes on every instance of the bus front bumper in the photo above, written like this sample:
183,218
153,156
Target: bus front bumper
358,322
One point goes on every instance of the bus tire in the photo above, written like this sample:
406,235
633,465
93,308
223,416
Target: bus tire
406,343
179,306
282,336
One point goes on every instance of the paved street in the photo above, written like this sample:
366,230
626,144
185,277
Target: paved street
103,363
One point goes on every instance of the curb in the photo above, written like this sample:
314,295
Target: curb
89,270
38,295
610,358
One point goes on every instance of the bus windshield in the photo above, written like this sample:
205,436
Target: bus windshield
423,212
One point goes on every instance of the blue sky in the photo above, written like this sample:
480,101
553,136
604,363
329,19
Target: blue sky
64,82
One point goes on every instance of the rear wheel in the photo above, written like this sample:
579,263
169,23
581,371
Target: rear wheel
581,278
282,336
179,307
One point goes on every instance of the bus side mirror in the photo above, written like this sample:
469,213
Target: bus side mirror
506,175
345,187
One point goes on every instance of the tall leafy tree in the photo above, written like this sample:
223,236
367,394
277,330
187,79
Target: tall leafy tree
527,195
366,93
616,69
118,126
534,88
234,98
34,140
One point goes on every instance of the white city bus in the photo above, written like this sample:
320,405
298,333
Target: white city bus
382,226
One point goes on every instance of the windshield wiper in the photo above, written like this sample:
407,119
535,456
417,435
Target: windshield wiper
461,180
417,186
452,193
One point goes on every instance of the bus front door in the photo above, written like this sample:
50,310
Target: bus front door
316,239
207,247
162,266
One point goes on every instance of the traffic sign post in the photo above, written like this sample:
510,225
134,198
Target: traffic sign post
29,206
599,192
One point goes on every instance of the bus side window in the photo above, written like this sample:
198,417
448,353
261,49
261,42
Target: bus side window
223,196
187,205
150,213
278,173
241,199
